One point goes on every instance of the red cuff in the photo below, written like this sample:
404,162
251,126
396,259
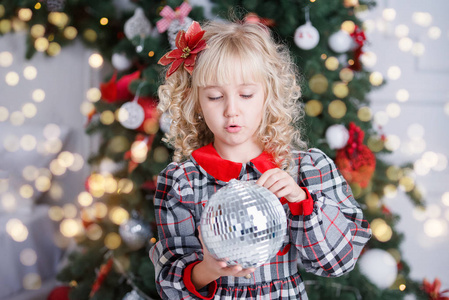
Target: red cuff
187,277
304,207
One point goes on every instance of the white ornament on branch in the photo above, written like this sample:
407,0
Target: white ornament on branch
121,62
379,267
341,41
131,114
306,36
337,136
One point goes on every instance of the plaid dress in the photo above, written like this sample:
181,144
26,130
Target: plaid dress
326,232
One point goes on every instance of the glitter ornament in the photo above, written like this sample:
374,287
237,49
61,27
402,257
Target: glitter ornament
137,25
131,115
244,223
175,27
306,36
340,41
135,233
133,295
337,136
379,267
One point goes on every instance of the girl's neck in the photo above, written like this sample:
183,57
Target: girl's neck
240,154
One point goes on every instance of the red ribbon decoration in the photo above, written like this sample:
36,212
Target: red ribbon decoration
168,15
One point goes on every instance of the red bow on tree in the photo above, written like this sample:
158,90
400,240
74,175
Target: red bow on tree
189,44
355,161
433,290
359,38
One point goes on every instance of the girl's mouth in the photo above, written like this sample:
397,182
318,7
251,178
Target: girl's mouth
233,128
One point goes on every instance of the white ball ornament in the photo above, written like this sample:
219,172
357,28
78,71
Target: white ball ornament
337,136
379,267
121,62
340,41
243,222
306,36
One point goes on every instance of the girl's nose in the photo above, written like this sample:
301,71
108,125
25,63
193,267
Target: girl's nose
231,109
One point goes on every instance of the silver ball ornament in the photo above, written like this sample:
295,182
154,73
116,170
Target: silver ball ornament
243,222
135,233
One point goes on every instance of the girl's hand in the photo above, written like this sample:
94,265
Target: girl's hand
211,269
282,185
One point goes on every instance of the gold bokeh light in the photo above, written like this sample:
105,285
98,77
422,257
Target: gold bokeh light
313,108
381,230
337,109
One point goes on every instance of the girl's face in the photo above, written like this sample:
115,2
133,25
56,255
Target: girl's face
233,112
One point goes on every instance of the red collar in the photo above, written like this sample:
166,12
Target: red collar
225,170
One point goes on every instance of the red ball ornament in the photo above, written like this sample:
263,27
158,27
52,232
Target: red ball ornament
59,293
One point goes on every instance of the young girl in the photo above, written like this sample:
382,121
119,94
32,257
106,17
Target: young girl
233,95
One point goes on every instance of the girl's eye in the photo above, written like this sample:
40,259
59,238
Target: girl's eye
246,96
214,98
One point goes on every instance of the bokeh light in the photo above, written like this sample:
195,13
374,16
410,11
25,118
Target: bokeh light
381,230
434,32
12,78
393,110
402,95
422,18
30,72
376,78
405,44
394,72
401,31
389,14
364,114
96,60
38,95
313,108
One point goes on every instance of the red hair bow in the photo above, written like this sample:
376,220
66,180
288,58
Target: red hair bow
188,44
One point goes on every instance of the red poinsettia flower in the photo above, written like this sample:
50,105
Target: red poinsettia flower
188,44
433,290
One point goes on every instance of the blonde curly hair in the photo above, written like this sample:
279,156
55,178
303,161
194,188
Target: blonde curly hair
262,60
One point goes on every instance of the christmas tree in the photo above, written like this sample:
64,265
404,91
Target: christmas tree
325,37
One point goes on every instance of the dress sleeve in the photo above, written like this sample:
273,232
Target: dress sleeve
178,246
331,237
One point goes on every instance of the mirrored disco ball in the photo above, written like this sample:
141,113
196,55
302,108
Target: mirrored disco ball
243,222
